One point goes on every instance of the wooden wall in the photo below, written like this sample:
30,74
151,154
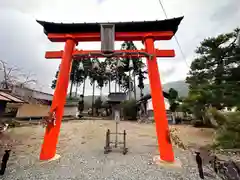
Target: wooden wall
38,110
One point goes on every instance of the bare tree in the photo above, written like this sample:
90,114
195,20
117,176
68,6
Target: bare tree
13,75
8,76
27,79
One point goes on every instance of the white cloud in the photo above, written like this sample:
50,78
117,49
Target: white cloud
23,42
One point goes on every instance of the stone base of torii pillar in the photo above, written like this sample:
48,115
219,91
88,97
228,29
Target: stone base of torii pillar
176,164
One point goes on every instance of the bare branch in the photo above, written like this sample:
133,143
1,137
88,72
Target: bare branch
12,70
13,75
27,79
30,81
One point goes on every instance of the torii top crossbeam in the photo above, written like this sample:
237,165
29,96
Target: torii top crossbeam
71,34
125,31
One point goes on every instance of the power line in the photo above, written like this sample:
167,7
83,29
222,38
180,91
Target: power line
175,36
161,4
180,48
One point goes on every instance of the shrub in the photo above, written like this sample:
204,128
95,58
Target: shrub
97,105
130,110
200,114
217,116
228,133
197,123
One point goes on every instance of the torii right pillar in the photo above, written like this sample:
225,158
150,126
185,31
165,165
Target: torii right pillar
160,116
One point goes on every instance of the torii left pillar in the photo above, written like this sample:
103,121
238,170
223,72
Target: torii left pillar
49,145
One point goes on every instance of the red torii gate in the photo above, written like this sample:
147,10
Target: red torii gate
71,34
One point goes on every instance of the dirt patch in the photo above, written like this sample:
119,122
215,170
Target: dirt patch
194,137
28,139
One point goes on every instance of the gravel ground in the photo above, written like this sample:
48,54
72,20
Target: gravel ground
81,148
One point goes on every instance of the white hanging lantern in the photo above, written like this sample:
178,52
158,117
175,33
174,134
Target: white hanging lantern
95,65
81,66
120,63
108,69
130,63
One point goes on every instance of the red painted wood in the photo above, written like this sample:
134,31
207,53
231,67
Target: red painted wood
48,150
120,36
160,116
158,53
51,135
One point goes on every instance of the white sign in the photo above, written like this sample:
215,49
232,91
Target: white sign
117,115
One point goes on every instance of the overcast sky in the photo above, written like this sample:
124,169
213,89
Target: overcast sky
23,43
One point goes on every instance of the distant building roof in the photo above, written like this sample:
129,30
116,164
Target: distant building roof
29,94
9,98
2,98
34,90
138,26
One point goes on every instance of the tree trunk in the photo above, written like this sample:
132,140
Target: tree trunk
5,77
76,89
109,84
101,93
129,88
93,96
83,91
134,83
115,86
174,118
141,92
71,87
119,90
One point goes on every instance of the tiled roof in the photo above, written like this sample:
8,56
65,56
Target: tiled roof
9,98
2,98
